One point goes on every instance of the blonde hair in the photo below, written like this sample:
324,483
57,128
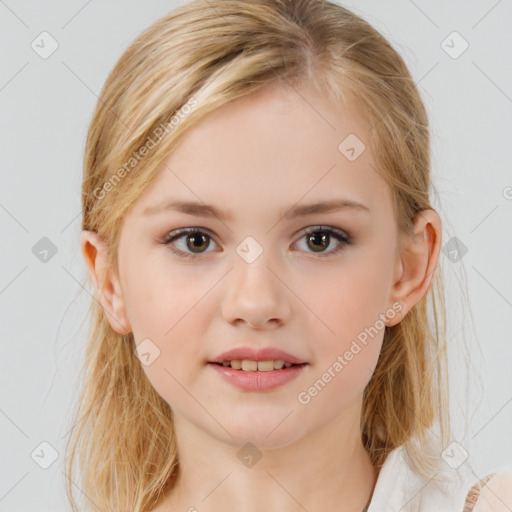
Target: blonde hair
207,54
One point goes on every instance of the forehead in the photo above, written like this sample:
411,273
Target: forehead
277,146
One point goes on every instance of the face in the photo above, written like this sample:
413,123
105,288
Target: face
319,285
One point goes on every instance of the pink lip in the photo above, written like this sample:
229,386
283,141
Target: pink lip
254,354
256,380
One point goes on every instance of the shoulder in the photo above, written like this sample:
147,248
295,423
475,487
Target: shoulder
492,493
400,489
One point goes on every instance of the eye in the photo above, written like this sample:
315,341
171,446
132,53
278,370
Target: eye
320,237
193,239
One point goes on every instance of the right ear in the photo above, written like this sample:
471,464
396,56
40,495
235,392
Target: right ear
107,284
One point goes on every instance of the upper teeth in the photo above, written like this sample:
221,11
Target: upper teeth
262,366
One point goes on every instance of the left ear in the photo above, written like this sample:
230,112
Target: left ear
419,254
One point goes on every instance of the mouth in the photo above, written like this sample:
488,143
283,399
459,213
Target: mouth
248,365
258,376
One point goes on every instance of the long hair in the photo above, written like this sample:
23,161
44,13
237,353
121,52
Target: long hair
197,58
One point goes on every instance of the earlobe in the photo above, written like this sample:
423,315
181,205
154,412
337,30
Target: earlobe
108,290
418,259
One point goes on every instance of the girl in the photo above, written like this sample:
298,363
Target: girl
268,328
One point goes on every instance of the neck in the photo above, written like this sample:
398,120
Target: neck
328,469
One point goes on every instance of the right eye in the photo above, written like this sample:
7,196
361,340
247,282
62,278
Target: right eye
193,239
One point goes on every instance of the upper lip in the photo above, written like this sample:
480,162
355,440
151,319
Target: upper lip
257,354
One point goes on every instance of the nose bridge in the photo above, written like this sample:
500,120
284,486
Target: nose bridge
254,293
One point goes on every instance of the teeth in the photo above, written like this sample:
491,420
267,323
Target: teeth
249,365
265,366
253,366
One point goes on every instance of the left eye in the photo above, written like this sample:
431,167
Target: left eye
320,237
197,240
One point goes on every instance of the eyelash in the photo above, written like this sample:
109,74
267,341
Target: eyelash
339,235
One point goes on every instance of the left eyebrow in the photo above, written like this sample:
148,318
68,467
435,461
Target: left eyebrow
207,210
325,207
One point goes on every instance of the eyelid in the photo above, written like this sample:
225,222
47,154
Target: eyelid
320,227
176,233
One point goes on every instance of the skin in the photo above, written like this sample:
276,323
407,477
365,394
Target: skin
255,157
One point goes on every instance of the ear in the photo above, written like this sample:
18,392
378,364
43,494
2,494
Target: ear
416,263
107,284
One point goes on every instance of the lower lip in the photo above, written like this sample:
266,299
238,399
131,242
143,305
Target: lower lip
256,380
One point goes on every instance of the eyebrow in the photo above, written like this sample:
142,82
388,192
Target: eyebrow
205,210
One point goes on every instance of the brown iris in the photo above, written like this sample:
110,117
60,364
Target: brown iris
319,237
200,241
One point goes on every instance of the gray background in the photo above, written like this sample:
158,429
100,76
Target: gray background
46,105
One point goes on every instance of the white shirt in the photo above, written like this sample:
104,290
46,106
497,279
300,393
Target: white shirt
400,489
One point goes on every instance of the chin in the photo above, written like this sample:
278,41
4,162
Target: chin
266,433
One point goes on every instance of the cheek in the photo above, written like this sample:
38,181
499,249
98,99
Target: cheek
346,353
163,297
351,304
352,298
168,319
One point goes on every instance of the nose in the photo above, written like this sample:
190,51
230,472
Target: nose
255,295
